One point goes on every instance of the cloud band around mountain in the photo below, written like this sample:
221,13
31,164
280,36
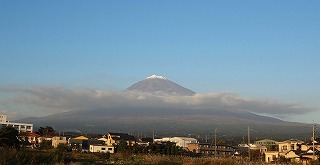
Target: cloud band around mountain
42,100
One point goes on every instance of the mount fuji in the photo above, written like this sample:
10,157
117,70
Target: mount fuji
160,85
153,104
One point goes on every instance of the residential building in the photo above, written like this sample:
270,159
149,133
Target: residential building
293,149
101,148
145,141
21,127
309,154
270,144
180,141
56,140
255,147
266,142
260,148
30,139
309,144
78,143
114,138
206,149
271,156
288,145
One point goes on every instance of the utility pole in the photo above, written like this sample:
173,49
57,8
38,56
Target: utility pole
153,135
215,143
249,143
313,154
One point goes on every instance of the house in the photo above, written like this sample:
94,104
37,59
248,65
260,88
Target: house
254,147
114,138
304,157
45,139
82,143
293,155
21,127
31,139
271,145
288,145
289,149
266,142
271,156
78,143
145,141
206,149
308,155
308,144
257,147
180,141
56,140
101,148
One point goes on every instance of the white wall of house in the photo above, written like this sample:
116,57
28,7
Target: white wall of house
101,149
271,156
180,141
289,145
56,140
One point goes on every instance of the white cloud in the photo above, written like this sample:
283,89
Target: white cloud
44,100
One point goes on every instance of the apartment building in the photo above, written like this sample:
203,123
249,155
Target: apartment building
21,127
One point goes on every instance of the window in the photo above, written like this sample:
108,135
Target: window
22,127
103,148
292,146
284,147
110,149
28,127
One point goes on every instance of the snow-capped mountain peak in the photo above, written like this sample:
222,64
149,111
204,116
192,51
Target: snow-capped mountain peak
156,77
160,85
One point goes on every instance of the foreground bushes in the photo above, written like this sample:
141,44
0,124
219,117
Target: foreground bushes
171,160
17,157
58,156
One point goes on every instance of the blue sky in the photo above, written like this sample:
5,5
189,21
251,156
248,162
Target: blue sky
258,49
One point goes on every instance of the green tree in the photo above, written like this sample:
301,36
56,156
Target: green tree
46,144
9,137
122,146
47,131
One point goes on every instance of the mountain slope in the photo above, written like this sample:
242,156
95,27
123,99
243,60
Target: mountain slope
167,121
160,85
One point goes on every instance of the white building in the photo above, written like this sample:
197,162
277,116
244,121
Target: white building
56,140
21,127
271,156
101,148
180,141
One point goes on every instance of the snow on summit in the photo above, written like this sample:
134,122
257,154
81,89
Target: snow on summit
160,85
157,77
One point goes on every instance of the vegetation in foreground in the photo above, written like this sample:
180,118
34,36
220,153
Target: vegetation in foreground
60,156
